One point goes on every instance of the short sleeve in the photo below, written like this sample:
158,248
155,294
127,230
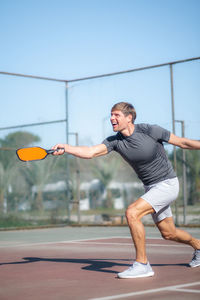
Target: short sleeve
159,133
110,143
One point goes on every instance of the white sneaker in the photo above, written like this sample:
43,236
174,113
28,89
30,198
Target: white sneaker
195,262
137,270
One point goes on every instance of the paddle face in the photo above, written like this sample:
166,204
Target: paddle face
32,153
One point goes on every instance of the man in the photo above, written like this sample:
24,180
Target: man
141,145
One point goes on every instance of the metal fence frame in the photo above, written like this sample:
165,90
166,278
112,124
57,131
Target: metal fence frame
67,82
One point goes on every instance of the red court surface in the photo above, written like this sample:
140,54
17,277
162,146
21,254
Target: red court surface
87,269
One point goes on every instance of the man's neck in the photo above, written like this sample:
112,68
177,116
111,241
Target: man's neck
129,130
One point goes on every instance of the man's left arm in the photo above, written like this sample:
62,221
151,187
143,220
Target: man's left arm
183,142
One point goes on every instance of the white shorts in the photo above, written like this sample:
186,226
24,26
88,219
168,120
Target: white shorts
160,195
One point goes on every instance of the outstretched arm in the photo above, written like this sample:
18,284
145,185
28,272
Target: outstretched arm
183,142
81,151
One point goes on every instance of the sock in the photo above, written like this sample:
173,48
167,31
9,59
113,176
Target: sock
142,263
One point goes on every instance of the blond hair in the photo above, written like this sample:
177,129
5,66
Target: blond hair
126,108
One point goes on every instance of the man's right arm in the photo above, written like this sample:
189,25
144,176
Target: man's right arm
81,151
184,143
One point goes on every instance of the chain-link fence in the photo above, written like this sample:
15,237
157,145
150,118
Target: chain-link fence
44,111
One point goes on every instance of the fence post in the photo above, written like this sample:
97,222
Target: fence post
174,131
184,173
67,156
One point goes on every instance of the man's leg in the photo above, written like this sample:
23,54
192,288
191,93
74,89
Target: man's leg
170,232
134,213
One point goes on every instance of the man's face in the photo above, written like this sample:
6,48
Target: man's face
119,121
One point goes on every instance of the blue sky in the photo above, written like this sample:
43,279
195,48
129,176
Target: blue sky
73,39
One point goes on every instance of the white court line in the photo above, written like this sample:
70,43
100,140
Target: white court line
186,291
125,244
167,288
64,242
87,241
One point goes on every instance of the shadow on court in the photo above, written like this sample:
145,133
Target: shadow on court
98,265
88,270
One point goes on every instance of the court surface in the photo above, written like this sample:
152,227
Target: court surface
83,262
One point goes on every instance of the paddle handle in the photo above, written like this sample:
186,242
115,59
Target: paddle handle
52,150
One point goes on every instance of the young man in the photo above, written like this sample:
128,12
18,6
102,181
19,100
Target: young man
141,145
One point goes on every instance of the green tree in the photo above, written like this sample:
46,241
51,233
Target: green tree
37,174
105,169
5,179
193,173
8,158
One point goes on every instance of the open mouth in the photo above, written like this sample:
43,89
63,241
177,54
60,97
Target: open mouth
114,125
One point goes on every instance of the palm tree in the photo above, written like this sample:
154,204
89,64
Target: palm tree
193,159
105,170
37,175
8,159
193,173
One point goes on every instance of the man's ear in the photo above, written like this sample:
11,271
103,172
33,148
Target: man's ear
130,118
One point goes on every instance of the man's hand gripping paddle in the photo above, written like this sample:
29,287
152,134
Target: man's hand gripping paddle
34,153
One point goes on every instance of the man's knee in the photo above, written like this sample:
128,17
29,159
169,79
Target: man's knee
167,229
131,215
137,210
169,235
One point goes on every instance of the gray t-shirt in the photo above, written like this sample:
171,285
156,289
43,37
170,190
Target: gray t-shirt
144,151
